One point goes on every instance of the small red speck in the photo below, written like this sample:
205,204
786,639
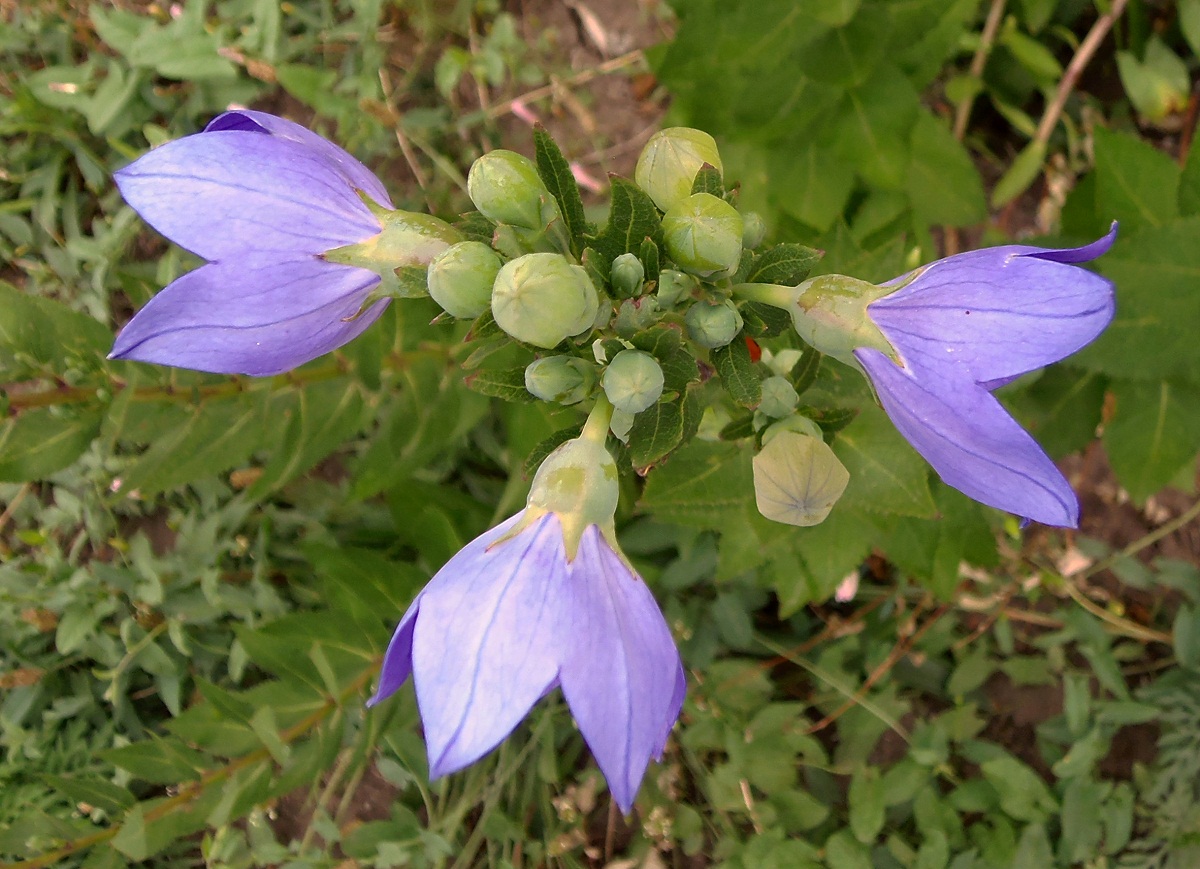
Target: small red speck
755,350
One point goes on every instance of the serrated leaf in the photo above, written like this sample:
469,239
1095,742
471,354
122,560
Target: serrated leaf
943,184
37,443
98,792
650,259
764,321
663,427
886,475
741,377
701,485
1155,431
785,264
804,372
505,383
475,227
556,174
708,180
39,334
1136,183
632,219
742,427
322,418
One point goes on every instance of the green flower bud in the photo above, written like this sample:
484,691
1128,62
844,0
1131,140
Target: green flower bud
797,479
670,161
506,188
703,234
753,230
673,286
634,315
461,278
794,423
627,276
632,381
779,397
565,379
542,299
713,326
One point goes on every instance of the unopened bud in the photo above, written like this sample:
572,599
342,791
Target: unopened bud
542,299
669,163
779,397
797,479
703,234
627,276
795,423
753,230
564,379
506,188
673,286
713,326
632,381
461,277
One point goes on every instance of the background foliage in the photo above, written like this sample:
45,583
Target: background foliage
199,573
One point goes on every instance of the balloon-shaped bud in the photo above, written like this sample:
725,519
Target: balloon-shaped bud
797,479
627,276
674,285
634,315
713,326
703,234
506,188
753,230
461,278
794,423
565,379
779,397
542,299
670,161
632,381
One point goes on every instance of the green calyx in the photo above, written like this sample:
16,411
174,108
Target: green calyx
829,312
578,482
404,246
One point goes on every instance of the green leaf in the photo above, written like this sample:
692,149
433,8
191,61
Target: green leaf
943,183
740,376
632,219
94,791
662,427
1020,174
886,475
1154,433
1157,86
701,485
1061,409
1136,183
866,804
322,418
708,180
804,372
1023,794
1156,270
785,264
874,126
811,184
217,435
1033,851
556,174
764,321
37,443
159,760
38,334
505,383
650,259
1189,23
545,447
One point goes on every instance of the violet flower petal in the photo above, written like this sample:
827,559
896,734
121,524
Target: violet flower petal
998,312
970,439
224,193
487,641
397,660
355,173
621,672
257,316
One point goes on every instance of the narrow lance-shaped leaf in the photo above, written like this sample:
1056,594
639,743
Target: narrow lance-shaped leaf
633,219
555,171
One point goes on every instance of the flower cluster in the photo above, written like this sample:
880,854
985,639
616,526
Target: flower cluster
303,250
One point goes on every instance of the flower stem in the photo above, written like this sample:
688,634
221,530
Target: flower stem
769,294
596,427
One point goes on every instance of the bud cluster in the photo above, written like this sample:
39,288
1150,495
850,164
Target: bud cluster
634,316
